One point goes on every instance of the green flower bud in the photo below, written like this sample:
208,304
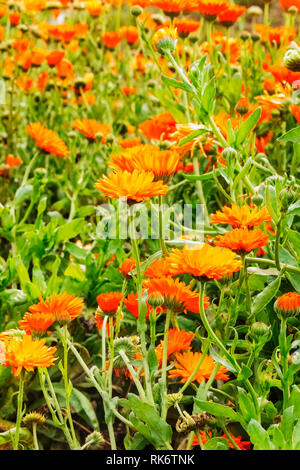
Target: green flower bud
136,10
259,331
291,58
127,346
257,199
94,440
229,154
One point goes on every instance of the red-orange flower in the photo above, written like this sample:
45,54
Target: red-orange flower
288,304
127,266
54,57
159,268
186,363
159,127
24,353
90,128
211,8
241,216
109,302
111,39
47,140
61,306
14,18
205,262
230,14
242,240
136,186
37,324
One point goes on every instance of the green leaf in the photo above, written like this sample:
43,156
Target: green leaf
217,443
293,135
264,297
22,194
148,422
217,410
193,135
203,177
74,271
2,92
259,436
208,96
247,408
69,230
247,126
176,84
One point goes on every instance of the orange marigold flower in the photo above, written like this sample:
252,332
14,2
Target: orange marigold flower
186,26
54,57
109,302
243,445
127,90
47,140
133,187
130,33
24,353
164,39
178,340
14,18
61,306
177,296
3,10
242,240
174,6
206,262
130,142
90,128
286,4
162,163
159,268
278,35
128,265
288,304
186,364
36,324
131,302
231,14
211,8
241,216
159,127
111,39
10,162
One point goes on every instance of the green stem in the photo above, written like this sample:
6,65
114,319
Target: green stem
19,412
161,227
34,436
164,408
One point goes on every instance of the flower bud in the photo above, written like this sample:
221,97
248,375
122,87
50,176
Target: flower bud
257,199
293,10
136,10
164,40
254,11
245,35
242,106
155,299
259,331
33,418
291,58
126,345
287,196
94,440
174,398
229,154
287,305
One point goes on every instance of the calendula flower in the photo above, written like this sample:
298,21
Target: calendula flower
243,445
14,18
109,302
286,4
111,39
54,57
177,296
159,268
288,304
36,324
164,40
130,33
136,186
241,216
178,340
228,16
186,363
47,140
211,8
159,127
204,263
25,353
92,128
93,7
127,266
242,240
63,307
162,163
130,142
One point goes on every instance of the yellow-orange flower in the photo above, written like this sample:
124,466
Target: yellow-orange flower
187,362
242,240
178,340
162,163
90,128
47,140
206,262
241,216
159,127
36,323
288,304
136,186
24,353
159,268
177,296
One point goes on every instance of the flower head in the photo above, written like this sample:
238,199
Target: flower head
178,340
242,240
25,353
62,307
186,363
136,186
241,216
92,128
109,302
47,140
204,263
288,304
